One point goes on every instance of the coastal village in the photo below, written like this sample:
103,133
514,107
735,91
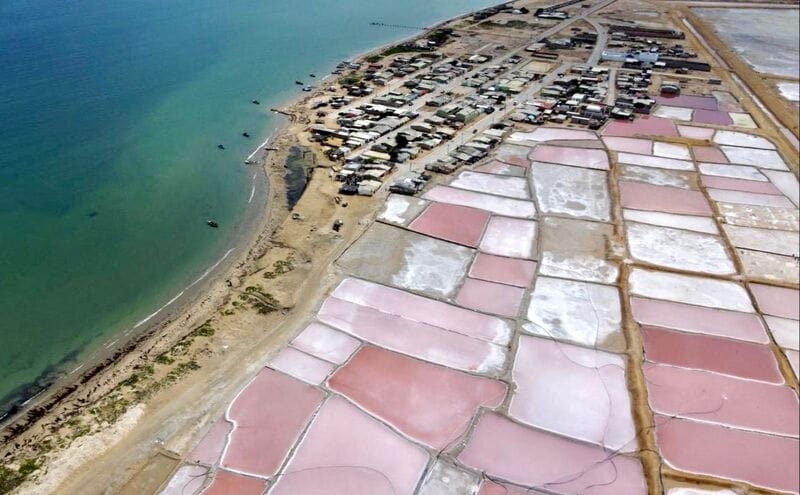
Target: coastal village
554,250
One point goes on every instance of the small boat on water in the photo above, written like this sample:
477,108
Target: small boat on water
246,134
256,102
308,88
312,75
220,146
299,83
212,224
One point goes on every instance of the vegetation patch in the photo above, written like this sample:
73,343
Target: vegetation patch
11,478
261,301
279,268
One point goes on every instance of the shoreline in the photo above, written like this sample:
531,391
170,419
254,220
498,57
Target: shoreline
206,295
250,232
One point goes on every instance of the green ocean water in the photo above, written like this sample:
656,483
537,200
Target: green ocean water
110,114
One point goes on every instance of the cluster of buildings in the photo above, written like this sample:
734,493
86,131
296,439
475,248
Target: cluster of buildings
637,47
578,98
373,138
632,93
498,9
554,11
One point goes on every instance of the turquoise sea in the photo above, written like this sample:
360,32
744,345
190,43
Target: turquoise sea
110,116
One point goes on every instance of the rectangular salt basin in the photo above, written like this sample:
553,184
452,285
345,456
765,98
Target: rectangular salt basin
698,394
763,460
500,206
663,199
578,157
769,240
674,113
712,117
655,161
756,157
532,457
686,222
551,378
708,154
680,249
629,145
751,186
687,289
453,223
659,176
553,134
786,182
692,132
732,171
646,126
424,310
513,187
671,150
697,319
510,237
733,138
577,192
749,198
584,313
690,101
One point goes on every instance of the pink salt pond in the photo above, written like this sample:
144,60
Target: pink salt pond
326,343
415,338
188,480
709,154
689,101
551,378
766,461
639,196
509,271
421,309
510,237
513,155
428,403
730,357
578,157
227,483
490,297
301,365
629,145
645,126
453,223
269,415
777,301
750,186
211,446
721,399
346,452
712,117
700,133
697,319
538,459
555,134
498,205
